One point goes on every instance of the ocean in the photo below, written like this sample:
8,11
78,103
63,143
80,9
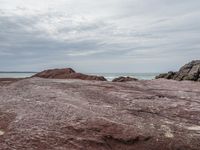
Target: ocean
15,74
108,76
140,76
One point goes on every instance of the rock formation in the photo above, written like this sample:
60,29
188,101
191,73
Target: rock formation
39,114
67,73
169,75
190,71
124,79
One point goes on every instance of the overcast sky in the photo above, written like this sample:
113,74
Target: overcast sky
99,35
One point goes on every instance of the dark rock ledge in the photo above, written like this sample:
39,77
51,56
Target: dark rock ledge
124,79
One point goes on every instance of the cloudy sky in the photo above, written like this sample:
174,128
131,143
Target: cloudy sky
99,35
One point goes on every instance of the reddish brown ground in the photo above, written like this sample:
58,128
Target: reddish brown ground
49,114
7,81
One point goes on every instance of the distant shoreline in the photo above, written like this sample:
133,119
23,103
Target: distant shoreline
108,76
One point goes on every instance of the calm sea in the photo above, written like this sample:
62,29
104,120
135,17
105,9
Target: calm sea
141,76
15,74
108,76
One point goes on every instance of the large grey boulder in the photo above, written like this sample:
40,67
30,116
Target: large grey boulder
190,71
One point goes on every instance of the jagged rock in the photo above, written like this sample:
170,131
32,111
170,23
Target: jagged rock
124,79
39,114
162,75
190,71
169,75
67,73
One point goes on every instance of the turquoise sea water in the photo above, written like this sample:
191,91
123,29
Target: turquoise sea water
108,76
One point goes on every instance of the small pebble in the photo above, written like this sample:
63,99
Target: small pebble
1,132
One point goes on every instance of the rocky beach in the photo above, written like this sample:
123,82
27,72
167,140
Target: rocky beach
99,75
54,113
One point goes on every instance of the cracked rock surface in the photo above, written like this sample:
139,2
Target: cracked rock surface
57,114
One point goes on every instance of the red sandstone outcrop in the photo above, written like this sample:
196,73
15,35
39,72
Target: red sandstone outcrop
124,79
38,114
67,73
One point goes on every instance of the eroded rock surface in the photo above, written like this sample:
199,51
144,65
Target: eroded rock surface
190,71
67,73
54,114
7,81
124,79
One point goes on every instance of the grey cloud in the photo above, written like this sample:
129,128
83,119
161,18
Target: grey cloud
125,34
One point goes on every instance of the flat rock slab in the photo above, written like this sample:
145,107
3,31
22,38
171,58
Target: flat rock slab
53,114
7,81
